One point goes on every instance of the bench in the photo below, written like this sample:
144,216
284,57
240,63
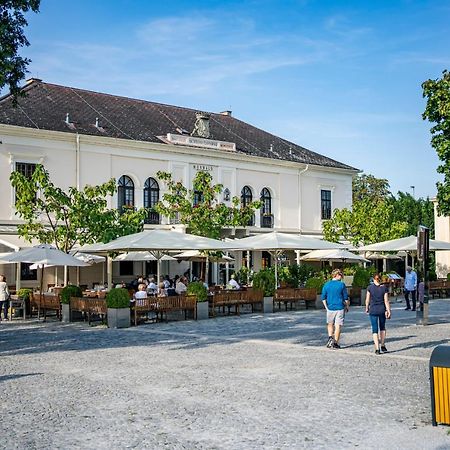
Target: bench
439,287
88,307
144,306
46,302
174,303
294,295
236,298
252,297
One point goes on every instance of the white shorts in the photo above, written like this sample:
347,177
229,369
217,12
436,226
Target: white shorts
336,316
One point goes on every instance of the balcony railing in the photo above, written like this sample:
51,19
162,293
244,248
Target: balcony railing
175,220
266,220
152,218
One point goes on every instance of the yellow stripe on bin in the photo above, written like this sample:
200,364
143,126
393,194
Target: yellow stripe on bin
441,377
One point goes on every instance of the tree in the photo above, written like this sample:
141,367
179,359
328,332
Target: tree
369,187
437,111
62,218
199,208
367,222
371,218
413,212
12,21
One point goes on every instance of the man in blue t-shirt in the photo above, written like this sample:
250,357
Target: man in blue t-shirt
336,302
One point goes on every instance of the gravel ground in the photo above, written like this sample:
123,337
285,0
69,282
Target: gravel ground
247,382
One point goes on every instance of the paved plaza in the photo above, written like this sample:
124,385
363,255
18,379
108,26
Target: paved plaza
249,382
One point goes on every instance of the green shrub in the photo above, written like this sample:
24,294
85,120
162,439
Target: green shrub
349,270
315,283
198,289
118,298
70,291
243,276
361,278
24,293
285,276
265,280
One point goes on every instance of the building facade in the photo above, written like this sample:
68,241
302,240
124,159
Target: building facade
84,137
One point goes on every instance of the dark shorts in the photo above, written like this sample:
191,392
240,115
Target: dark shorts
378,321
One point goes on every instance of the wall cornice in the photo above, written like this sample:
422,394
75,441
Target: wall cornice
144,146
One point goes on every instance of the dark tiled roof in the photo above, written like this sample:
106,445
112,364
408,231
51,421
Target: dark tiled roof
45,107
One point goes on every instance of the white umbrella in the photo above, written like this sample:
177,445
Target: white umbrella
84,257
159,242
196,255
141,256
376,255
407,244
43,254
275,242
333,255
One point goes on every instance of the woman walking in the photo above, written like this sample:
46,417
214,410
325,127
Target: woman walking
379,309
4,297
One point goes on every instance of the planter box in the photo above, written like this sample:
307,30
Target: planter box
268,305
319,303
202,310
348,280
118,317
363,297
65,310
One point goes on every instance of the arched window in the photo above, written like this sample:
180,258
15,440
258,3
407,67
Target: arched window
125,193
151,198
246,199
266,209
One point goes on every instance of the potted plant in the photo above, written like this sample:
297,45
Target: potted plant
25,295
316,283
198,289
349,275
118,303
68,291
265,280
361,279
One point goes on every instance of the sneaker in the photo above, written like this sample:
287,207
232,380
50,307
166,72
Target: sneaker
384,349
336,345
377,352
330,342
407,309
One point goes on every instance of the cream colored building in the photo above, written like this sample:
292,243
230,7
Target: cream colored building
442,233
84,137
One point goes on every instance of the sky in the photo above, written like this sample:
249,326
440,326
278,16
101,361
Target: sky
342,78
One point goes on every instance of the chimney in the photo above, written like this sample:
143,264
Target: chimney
226,113
33,80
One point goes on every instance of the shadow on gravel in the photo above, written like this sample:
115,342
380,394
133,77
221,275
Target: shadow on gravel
390,339
298,327
423,345
18,375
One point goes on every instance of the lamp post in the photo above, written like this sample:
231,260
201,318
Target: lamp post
413,191
423,246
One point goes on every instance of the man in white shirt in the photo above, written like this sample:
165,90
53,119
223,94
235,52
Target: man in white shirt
233,283
181,287
410,287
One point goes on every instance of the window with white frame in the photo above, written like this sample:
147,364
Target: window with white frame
325,204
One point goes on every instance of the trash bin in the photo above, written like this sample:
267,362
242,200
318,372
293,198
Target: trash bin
440,384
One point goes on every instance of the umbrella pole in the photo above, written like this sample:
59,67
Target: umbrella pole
158,271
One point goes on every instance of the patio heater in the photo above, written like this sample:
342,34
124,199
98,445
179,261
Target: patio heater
423,249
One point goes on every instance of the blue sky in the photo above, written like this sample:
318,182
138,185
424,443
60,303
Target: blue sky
342,78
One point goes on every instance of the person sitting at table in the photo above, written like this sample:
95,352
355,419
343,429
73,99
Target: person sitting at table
151,287
233,284
141,292
181,286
